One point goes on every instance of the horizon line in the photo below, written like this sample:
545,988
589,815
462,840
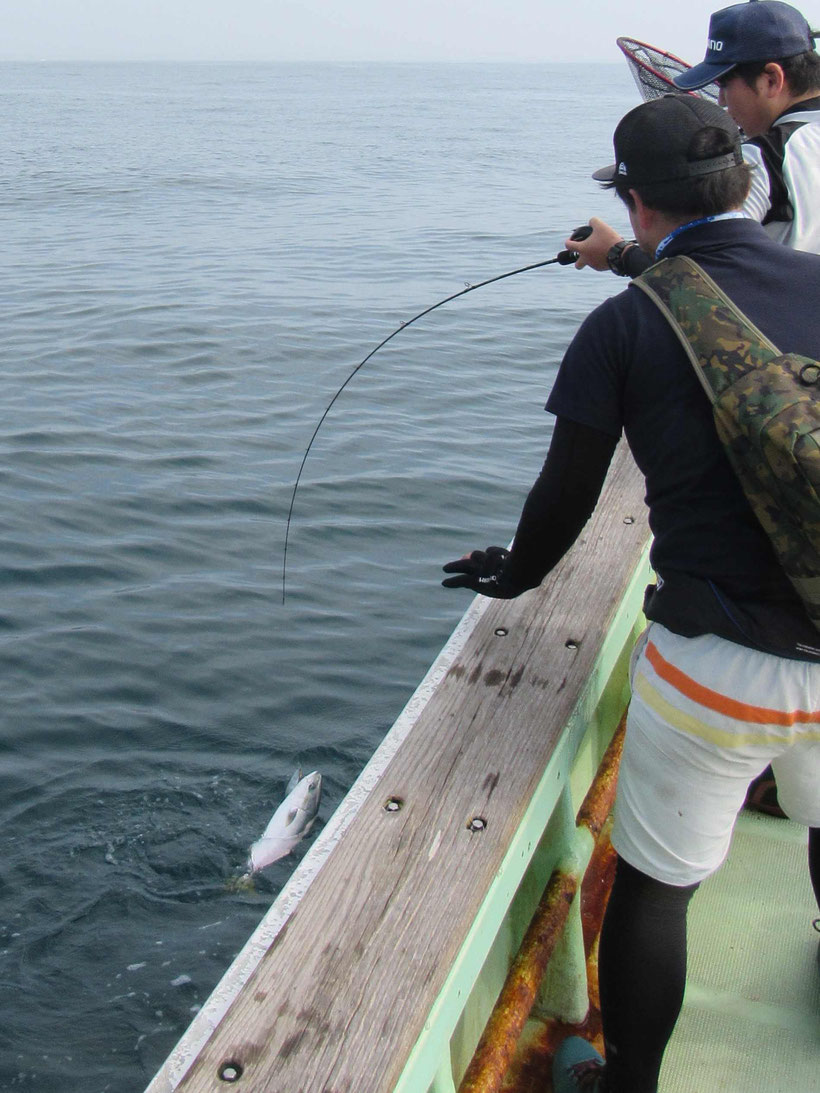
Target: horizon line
299,60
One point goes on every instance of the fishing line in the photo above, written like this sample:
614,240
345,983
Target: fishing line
563,258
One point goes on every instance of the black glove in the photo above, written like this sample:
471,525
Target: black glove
483,572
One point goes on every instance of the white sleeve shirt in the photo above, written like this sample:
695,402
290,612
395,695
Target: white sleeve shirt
799,172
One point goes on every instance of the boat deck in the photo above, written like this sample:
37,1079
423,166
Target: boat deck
751,1017
751,1014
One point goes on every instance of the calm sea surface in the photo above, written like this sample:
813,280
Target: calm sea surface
195,257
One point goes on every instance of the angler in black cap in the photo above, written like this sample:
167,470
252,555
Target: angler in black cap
728,639
762,55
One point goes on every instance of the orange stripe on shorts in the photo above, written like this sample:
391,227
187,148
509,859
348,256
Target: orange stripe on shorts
713,700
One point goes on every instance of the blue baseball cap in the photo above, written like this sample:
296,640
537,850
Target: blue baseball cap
760,30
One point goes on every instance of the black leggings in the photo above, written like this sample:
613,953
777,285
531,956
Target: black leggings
642,971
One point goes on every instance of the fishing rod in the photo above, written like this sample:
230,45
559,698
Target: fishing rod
563,258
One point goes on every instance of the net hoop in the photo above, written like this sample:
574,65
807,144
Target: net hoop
653,69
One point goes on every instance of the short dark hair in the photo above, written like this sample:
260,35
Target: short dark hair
802,71
704,195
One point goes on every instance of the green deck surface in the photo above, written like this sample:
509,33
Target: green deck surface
751,1017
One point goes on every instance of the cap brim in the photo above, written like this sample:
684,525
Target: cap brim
700,75
606,174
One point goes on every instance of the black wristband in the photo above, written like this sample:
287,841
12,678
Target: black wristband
615,256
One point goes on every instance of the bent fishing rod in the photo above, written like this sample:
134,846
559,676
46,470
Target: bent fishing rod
563,258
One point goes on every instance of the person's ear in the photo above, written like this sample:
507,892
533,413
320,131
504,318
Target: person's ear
772,80
643,214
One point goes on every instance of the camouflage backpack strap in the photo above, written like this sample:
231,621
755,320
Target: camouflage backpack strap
766,411
720,341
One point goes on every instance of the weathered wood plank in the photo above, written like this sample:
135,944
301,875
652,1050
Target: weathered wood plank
340,998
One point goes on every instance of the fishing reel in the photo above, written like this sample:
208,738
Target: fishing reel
569,257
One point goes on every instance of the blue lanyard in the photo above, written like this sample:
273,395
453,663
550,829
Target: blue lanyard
664,243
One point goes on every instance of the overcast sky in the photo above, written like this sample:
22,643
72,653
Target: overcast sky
350,30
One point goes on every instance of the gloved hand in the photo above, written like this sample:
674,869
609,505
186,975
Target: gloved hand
482,571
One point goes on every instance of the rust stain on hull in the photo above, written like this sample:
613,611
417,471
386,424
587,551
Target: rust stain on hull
502,1063
500,1038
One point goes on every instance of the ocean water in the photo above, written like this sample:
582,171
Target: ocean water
195,258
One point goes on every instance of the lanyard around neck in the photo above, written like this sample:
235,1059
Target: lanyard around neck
664,243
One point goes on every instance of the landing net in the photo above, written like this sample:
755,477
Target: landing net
653,69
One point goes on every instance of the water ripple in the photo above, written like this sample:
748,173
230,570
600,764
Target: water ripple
190,274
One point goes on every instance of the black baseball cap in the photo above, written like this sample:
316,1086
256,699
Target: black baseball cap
652,141
760,30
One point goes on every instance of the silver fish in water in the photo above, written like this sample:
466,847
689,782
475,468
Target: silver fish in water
292,820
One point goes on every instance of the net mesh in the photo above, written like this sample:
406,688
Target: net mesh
653,69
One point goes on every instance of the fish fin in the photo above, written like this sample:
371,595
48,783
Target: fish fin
295,779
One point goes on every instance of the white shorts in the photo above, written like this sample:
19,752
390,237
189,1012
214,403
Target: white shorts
706,717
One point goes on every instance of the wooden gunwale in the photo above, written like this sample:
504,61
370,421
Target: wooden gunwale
354,980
